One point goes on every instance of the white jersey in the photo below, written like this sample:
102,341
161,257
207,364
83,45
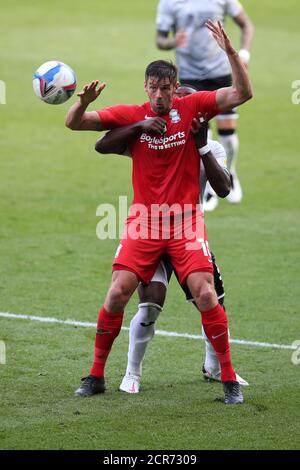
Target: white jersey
202,58
219,153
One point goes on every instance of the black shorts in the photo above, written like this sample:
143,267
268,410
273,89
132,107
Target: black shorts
212,84
219,285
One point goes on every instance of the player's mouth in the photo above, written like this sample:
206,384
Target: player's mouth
160,107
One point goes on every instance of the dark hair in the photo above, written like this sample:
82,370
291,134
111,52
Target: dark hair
161,69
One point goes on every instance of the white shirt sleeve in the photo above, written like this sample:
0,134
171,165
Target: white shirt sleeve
233,8
218,152
164,17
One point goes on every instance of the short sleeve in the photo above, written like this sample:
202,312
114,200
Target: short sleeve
164,16
233,8
218,152
203,102
117,116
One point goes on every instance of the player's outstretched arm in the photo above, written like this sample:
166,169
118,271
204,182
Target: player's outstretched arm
241,90
247,31
217,176
116,141
77,118
166,42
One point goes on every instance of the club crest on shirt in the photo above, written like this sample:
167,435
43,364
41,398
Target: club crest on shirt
174,115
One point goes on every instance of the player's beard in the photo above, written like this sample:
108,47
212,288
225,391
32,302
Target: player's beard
161,109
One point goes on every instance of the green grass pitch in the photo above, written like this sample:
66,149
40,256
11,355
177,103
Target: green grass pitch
53,265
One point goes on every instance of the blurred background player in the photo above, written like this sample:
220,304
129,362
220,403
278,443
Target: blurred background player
152,296
204,66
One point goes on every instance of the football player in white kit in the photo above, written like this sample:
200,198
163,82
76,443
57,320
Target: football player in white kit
152,296
204,66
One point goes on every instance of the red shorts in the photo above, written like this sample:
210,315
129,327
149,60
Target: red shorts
186,244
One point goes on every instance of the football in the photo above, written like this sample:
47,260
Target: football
54,82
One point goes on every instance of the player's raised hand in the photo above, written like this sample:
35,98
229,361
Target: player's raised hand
90,92
200,128
220,36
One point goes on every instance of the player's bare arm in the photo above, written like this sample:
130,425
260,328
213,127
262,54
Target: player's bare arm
166,42
78,119
241,90
116,141
247,31
217,176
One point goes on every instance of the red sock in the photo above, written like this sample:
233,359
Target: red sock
108,328
215,325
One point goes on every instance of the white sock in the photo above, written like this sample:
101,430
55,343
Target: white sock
211,363
142,328
231,146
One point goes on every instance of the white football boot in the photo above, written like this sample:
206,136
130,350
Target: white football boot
216,376
236,194
130,383
210,201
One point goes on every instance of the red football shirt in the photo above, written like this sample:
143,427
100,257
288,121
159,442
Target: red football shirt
165,168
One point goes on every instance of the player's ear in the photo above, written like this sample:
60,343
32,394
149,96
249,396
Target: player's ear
145,85
177,85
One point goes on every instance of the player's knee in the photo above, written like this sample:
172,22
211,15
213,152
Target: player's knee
119,294
206,298
158,298
155,293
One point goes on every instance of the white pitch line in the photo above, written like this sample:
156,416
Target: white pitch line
157,332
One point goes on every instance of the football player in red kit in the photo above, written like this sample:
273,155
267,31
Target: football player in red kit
166,188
